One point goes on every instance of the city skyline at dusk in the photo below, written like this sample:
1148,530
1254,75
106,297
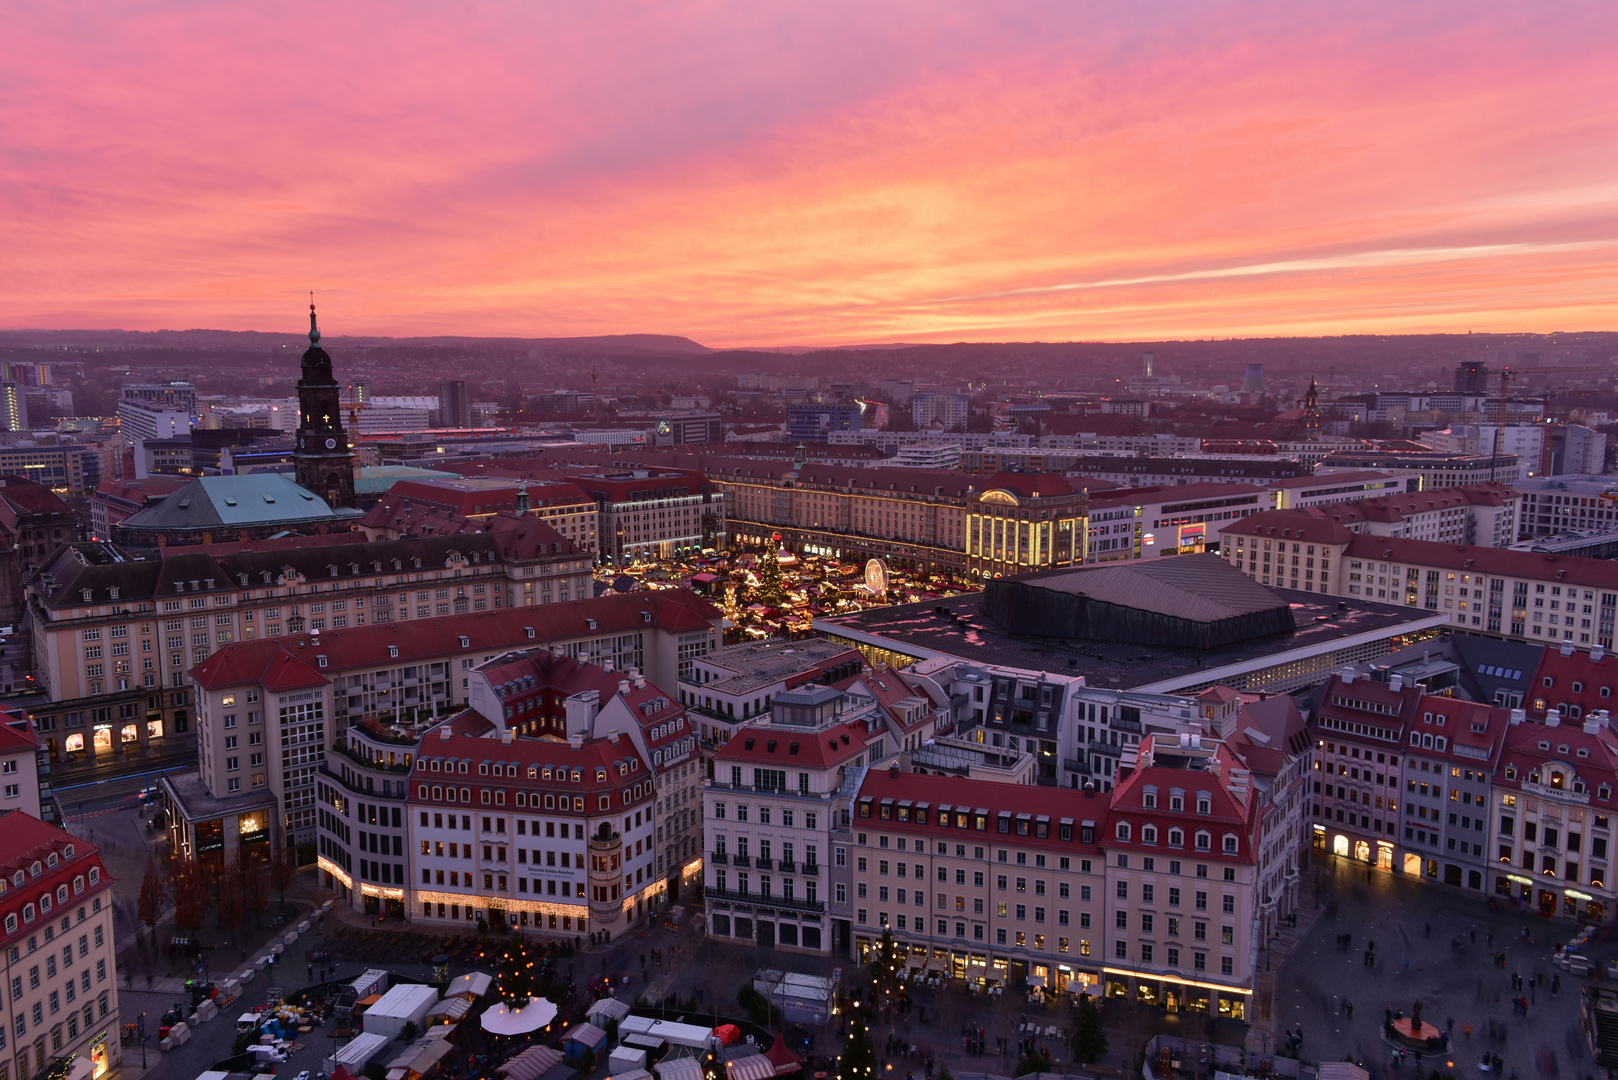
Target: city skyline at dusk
775,175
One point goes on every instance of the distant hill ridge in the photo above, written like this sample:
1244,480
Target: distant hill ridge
662,344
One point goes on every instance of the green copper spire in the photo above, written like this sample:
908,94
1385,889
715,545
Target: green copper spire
314,331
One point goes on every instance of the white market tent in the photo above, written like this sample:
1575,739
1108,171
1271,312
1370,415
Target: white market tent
406,1003
607,1009
453,1009
693,1035
685,1068
355,1054
532,1063
531,1017
472,985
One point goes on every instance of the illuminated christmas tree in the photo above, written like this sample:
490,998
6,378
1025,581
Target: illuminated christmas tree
772,588
859,1056
886,962
518,980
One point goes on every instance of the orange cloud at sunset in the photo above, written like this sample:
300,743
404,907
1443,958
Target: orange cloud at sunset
812,174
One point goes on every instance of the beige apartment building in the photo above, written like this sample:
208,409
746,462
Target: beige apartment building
60,970
110,625
1519,595
300,692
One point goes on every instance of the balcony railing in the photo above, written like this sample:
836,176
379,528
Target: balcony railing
787,867
364,761
719,857
765,863
1075,765
740,860
779,793
810,869
765,900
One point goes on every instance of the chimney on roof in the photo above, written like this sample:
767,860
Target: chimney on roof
1567,648
506,737
640,682
1347,675
1553,718
612,736
1598,653
1518,716
623,686
893,771
444,733
1396,683
576,741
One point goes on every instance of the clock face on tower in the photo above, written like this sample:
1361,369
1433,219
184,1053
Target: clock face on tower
331,444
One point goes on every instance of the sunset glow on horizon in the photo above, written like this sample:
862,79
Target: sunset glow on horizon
837,173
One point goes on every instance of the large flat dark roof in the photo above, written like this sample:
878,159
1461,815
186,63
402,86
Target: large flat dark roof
1324,623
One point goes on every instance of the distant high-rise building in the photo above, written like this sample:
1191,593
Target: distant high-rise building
140,418
1472,377
176,394
1253,383
454,405
1146,364
948,410
814,423
13,406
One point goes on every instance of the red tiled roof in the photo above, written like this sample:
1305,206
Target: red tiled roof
464,498
1596,680
268,663
1309,524
673,610
1030,485
412,518
473,739
25,840
1590,757
784,746
1227,815
1051,806
1567,569
16,732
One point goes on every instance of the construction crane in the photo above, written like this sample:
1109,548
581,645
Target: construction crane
593,412
1506,375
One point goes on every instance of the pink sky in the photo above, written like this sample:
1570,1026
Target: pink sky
797,173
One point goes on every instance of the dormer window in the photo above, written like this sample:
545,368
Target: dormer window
1204,806
1123,831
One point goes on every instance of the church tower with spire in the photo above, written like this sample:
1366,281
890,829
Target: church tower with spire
323,460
